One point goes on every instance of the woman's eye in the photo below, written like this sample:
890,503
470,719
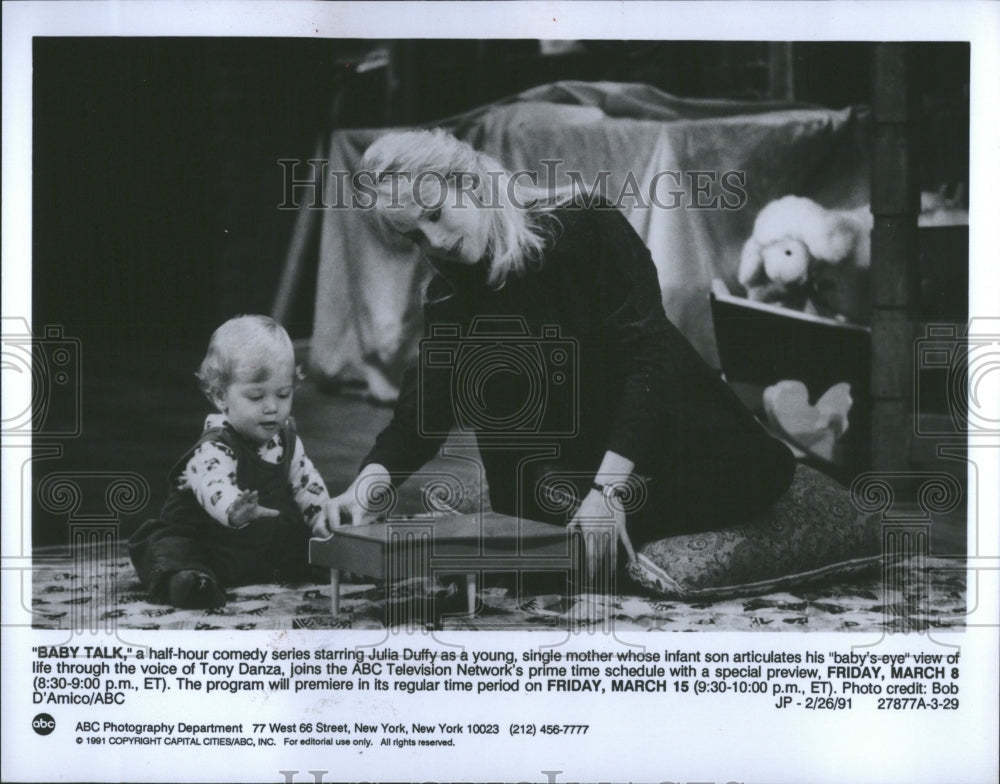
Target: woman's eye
434,215
284,395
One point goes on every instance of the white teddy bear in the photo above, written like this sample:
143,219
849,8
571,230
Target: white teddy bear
804,256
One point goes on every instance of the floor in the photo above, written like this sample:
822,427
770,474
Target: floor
96,588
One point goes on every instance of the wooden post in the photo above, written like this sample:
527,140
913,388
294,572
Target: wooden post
335,592
894,269
781,71
306,223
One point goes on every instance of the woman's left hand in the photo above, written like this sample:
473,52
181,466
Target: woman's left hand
601,523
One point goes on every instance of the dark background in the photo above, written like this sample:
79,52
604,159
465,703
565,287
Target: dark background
156,178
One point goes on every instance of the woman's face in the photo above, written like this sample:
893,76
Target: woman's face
445,223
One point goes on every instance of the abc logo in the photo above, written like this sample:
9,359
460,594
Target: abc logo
43,724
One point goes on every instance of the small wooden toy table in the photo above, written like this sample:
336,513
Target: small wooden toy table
457,544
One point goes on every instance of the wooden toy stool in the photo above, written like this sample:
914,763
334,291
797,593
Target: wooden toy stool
456,544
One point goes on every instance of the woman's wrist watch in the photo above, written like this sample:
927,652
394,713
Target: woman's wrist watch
609,491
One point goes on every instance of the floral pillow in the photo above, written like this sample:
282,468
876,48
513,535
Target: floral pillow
813,531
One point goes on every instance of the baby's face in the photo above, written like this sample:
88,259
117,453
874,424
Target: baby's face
258,400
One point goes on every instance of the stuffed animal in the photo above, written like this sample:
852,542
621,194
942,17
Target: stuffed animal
804,256
812,428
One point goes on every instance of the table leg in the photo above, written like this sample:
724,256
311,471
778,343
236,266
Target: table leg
470,591
335,591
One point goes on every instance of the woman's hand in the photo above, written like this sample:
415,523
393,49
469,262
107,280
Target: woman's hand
600,519
320,526
601,523
355,505
247,508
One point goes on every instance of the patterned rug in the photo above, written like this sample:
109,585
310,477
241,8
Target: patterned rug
96,588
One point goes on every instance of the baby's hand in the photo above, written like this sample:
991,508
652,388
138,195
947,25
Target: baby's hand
246,509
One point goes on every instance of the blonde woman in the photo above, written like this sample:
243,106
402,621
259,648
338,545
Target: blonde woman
554,349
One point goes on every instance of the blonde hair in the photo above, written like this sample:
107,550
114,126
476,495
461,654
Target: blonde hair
238,338
517,229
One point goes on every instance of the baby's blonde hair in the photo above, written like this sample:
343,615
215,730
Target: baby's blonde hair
516,231
238,338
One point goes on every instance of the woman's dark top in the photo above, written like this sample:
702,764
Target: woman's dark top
638,389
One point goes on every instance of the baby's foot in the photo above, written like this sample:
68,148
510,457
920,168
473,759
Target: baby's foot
195,590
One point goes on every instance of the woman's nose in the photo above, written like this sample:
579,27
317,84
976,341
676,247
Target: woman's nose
435,238
270,404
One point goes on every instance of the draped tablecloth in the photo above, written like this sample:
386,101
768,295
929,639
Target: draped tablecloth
734,156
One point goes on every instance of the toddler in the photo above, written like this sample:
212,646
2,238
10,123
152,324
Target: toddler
242,500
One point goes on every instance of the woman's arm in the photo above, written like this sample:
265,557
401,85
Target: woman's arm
402,447
420,423
644,385
646,354
421,419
